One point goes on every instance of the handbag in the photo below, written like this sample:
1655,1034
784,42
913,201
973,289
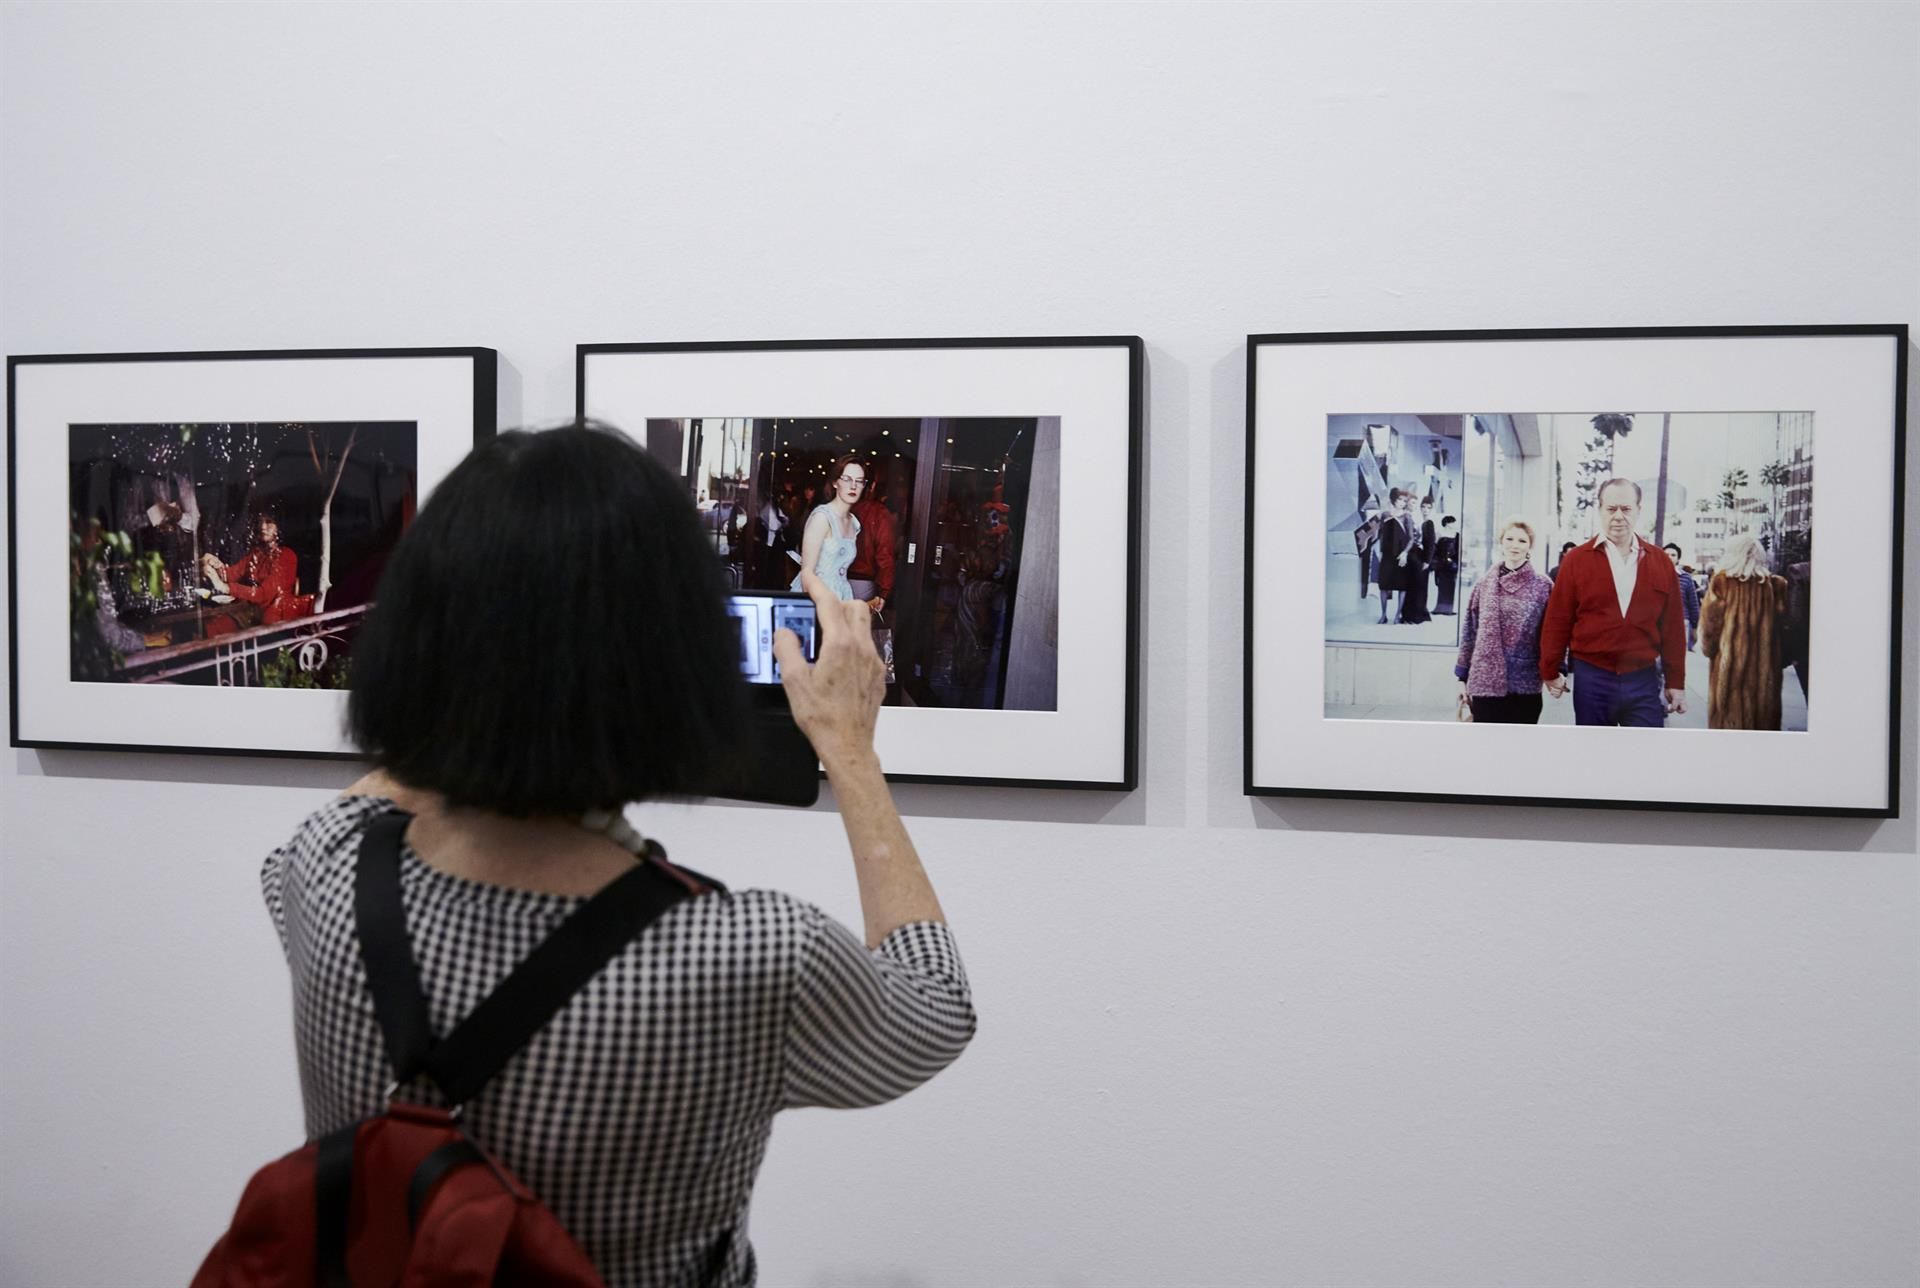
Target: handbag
883,643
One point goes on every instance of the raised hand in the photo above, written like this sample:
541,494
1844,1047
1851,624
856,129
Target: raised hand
835,699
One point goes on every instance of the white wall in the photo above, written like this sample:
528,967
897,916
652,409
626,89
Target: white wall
1223,1041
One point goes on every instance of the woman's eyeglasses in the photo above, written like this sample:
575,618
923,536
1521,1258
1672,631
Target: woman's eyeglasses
851,482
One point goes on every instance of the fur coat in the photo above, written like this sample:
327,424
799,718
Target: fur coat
1742,626
1500,647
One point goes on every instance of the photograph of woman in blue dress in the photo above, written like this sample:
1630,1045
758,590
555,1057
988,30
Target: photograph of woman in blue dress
832,534
946,527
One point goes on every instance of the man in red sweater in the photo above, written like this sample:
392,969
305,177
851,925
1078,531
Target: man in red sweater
871,573
1616,607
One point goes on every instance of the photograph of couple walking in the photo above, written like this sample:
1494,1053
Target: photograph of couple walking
1637,569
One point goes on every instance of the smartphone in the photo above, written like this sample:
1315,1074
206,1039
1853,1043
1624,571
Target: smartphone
757,615
776,765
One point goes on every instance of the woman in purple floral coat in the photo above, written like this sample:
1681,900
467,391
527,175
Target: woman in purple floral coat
1499,664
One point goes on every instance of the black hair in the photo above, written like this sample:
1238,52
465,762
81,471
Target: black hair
1675,547
1394,494
1448,522
551,635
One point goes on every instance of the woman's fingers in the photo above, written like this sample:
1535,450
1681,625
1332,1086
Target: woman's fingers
789,653
836,698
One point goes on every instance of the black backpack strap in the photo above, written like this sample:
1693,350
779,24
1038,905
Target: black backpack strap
399,1002
432,1170
332,1188
506,1019
717,1256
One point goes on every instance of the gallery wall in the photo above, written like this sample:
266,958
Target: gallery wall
1223,1041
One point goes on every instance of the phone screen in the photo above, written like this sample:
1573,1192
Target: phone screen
758,614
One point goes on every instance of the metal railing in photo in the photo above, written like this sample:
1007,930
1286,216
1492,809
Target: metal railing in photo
234,658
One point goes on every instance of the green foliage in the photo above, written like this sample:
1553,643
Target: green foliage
282,671
92,658
91,553
150,568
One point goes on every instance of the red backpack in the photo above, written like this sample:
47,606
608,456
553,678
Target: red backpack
407,1198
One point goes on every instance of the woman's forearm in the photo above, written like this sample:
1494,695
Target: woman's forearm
836,702
894,889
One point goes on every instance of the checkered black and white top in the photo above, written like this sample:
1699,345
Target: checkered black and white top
640,1114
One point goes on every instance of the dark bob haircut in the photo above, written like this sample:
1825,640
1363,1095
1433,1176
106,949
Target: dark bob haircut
551,635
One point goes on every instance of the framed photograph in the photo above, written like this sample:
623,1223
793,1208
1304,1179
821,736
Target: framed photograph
1577,567
195,538
979,495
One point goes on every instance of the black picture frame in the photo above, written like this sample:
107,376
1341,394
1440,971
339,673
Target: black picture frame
469,420
1383,350
1124,772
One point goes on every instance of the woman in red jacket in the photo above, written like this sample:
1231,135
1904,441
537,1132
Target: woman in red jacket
266,576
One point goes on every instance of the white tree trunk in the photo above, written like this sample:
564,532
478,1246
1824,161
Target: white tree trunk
326,527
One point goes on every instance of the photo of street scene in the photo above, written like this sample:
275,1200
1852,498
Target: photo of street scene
946,527
1640,569
230,554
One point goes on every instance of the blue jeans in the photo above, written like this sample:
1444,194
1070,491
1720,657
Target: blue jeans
1602,698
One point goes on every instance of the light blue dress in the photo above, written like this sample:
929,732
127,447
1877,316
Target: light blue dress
836,554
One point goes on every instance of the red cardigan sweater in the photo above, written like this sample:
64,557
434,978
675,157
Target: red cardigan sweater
1583,615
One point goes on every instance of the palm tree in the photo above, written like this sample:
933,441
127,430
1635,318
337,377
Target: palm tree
1660,504
1732,483
1775,476
1611,425
1596,465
